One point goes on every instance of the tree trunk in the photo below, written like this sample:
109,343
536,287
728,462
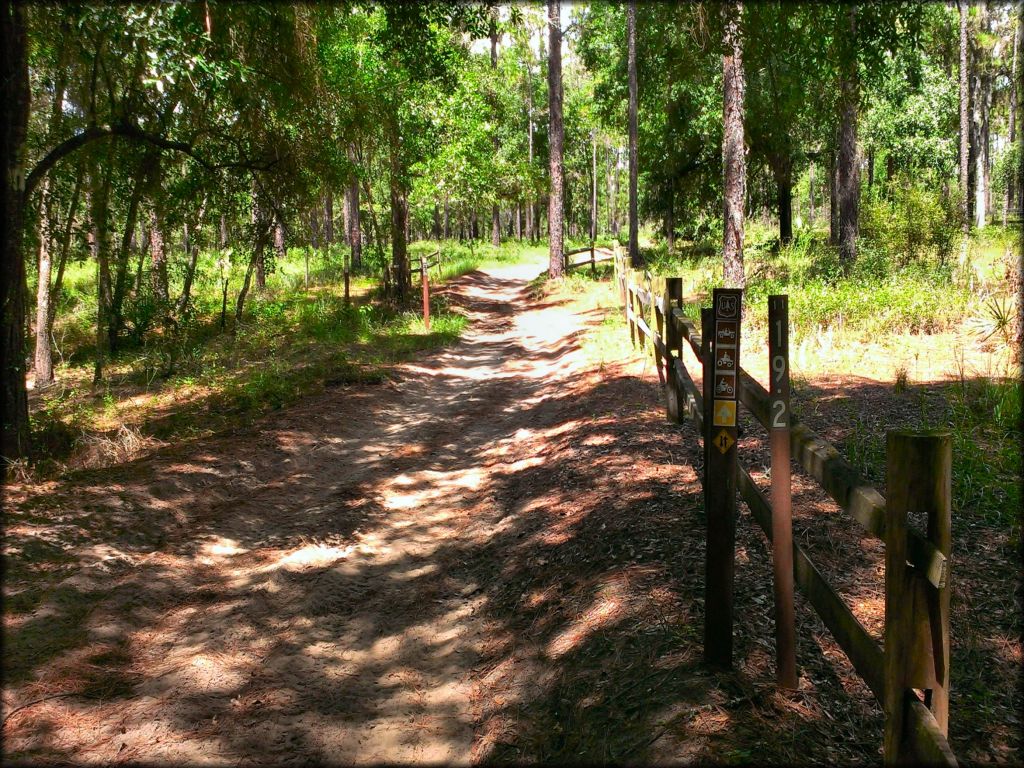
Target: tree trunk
733,158
833,199
355,239
158,256
593,192
495,212
399,223
782,170
47,222
124,252
47,297
143,253
279,244
1011,186
849,168
376,237
555,139
99,212
634,225
43,356
192,252
247,281
531,216
616,219
810,194
346,225
871,168
191,242
446,231
328,220
670,219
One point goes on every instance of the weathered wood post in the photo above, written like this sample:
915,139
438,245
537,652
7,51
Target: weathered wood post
720,498
593,263
658,323
672,298
425,280
781,492
620,272
348,259
630,305
918,479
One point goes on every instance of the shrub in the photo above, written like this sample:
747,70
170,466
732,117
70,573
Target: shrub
915,223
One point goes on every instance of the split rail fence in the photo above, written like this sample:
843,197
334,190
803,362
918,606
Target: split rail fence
909,675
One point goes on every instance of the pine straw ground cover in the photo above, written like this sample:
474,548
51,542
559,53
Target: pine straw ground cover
607,584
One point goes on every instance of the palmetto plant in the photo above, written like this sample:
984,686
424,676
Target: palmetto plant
996,318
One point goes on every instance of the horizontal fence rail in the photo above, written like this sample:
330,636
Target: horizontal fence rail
910,674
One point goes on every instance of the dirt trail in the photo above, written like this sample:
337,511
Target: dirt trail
296,592
497,556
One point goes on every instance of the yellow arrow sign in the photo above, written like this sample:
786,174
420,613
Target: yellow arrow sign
725,413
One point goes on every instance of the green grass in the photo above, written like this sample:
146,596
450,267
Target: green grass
985,418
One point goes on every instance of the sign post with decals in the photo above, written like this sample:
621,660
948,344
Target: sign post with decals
720,436
781,493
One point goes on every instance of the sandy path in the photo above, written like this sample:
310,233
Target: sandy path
307,602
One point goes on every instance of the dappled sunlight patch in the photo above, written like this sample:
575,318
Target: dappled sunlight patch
314,556
220,547
611,605
415,573
710,721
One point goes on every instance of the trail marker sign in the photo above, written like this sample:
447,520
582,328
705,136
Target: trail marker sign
721,374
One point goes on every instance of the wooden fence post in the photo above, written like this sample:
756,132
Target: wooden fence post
671,298
593,264
781,492
657,323
347,260
918,478
720,496
631,307
424,278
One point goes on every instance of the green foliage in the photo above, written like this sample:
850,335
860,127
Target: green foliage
986,421
913,223
879,295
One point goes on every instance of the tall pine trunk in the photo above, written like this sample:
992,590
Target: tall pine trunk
399,228
733,158
833,198
47,222
634,225
782,171
355,240
328,220
495,212
965,129
43,355
670,218
555,138
46,297
848,192
14,95
1014,180
124,252
99,240
593,193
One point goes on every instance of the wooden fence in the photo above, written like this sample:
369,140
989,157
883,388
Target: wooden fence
910,676
597,255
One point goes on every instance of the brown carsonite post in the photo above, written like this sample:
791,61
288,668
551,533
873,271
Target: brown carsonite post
781,492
